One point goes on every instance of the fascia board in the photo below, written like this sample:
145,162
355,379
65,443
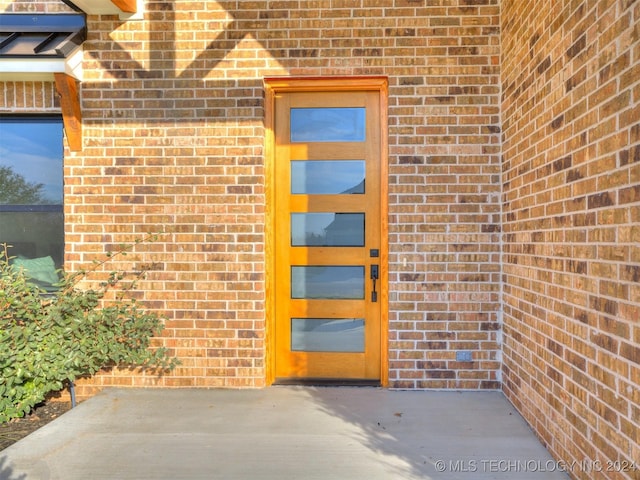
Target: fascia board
41,69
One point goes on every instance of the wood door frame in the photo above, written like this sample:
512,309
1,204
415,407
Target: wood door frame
274,86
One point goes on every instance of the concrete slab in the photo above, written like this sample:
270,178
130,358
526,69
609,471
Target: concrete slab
284,433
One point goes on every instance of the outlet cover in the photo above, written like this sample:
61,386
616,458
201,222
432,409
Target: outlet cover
463,356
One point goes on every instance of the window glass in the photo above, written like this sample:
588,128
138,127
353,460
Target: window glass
327,229
31,161
336,282
332,177
327,124
31,193
327,334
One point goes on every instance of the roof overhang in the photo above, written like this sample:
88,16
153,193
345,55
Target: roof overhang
40,70
125,9
35,47
47,47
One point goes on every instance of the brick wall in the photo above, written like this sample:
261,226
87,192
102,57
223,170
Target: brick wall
571,221
34,6
28,97
173,138
444,194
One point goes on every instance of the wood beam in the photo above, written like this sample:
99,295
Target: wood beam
128,6
67,88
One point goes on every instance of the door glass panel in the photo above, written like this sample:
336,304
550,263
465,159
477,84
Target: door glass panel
326,177
327,334
327,229
335,282
327,124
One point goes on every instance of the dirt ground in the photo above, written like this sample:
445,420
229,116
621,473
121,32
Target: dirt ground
11,432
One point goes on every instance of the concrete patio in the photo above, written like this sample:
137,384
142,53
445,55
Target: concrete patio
284,433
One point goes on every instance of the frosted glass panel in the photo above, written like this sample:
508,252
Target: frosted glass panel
327,124
326,177
327,229
327,334
334,282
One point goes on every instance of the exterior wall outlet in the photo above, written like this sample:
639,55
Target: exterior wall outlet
464,356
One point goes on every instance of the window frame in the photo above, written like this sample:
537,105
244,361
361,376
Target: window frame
55,249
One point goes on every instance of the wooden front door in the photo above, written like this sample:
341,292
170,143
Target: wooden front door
328,235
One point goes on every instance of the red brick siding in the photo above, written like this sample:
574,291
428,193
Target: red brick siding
177,139
173,139
571,221
28,97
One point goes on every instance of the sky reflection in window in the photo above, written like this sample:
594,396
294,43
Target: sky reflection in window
327,177
31,156
327,125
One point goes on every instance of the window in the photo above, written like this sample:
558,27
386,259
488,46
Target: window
31,194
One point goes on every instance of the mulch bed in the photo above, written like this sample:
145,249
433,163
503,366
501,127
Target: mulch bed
14,430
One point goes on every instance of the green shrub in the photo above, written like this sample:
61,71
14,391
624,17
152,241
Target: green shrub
49,339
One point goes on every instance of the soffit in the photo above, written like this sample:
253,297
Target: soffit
34,47
124,8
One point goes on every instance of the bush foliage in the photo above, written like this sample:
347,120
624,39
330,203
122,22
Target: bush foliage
48,340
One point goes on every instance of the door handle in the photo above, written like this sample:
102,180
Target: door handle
374,276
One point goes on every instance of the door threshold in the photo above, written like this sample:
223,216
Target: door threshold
327,382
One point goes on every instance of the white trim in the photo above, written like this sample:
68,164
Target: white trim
73,64
41,69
